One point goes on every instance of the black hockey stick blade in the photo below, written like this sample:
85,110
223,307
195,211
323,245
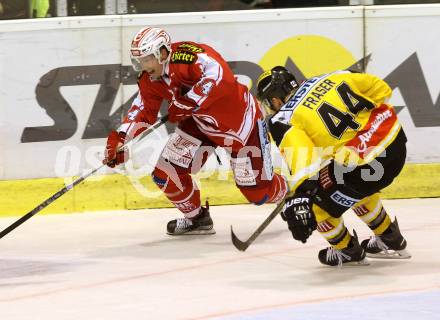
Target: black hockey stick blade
242,246
47,202
69,187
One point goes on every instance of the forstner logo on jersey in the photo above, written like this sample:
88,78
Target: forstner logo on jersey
183,57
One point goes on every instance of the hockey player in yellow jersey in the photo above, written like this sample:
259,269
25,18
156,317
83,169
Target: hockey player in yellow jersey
342,143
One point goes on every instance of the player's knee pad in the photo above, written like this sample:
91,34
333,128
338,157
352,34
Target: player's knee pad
184,151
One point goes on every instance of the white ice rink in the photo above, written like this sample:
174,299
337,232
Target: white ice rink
121,265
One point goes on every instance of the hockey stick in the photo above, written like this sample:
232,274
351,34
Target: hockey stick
69,187
242,246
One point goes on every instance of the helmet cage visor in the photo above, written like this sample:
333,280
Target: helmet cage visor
139,63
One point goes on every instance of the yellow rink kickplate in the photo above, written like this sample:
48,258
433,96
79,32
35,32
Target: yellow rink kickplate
115,192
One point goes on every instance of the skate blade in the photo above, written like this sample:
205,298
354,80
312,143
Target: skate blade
391,254
194,233
361,263
351,264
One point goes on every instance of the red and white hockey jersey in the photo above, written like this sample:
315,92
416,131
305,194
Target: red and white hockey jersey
226,111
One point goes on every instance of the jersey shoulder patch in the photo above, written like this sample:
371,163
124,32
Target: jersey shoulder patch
183,56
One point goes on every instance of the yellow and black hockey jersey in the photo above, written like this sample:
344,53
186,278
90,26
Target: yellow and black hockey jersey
341,116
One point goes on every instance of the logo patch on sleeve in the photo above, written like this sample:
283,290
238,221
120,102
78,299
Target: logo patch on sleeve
183,57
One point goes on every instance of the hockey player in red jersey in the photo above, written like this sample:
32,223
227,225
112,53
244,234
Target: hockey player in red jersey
211,109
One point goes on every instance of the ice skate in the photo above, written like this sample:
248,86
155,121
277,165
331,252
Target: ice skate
389,245
201,224
354,254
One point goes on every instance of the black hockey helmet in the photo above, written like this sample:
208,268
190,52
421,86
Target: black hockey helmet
277,82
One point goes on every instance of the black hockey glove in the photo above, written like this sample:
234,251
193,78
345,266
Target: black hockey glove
297,211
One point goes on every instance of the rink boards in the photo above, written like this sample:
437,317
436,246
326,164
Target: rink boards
118,192
67,81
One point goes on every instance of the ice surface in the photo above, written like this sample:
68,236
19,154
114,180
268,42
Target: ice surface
122,265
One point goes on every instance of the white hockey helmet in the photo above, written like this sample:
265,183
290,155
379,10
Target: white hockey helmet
148,41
